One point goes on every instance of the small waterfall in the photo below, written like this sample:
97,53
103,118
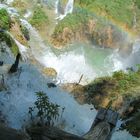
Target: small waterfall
68,9
22,49
56,7
9,1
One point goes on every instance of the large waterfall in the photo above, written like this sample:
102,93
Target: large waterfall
70,65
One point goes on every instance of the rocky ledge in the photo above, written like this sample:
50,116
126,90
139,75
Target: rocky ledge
121,92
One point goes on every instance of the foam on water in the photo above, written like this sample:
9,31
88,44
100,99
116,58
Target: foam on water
14,103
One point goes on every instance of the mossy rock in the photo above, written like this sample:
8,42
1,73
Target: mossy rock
4,19
10,43
49,72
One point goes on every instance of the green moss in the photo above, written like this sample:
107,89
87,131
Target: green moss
39,18
4,19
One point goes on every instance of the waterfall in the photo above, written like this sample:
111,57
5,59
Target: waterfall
68,9
9,1
56,7
66,65
22,49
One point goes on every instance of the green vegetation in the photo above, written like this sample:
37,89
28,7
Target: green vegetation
46,111
4,19
119,82
118,10
39,18
9,41
126,80
73,21
104,91
121,12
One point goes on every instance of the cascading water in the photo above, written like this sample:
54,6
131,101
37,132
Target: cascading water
68,9
57,7
89,61
22,49
14,103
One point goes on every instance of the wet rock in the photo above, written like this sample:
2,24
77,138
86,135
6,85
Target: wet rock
51,85
76,90
50,72
11,134
1,63
14,67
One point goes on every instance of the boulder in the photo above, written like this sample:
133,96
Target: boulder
49,72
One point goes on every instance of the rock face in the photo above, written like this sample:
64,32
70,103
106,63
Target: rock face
11,134
51,133
100,34
109,92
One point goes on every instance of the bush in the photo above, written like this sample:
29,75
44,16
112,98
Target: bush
73,21
39,18
4,19
45,111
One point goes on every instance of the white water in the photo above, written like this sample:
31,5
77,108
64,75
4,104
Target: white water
27,14
15,103
68,9
22,49
56,7
9,1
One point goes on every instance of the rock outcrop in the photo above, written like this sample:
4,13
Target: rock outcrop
7,133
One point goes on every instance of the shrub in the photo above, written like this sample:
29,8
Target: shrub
39,18
45,111
4,19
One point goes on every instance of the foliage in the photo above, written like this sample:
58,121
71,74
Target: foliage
112,86
4,19
118,10
73,21
39,18
126,80
10,42
47,112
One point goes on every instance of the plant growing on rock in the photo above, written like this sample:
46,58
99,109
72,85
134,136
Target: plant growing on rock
46,111
4,19
39,18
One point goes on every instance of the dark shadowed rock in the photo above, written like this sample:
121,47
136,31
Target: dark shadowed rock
14,67
11,134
